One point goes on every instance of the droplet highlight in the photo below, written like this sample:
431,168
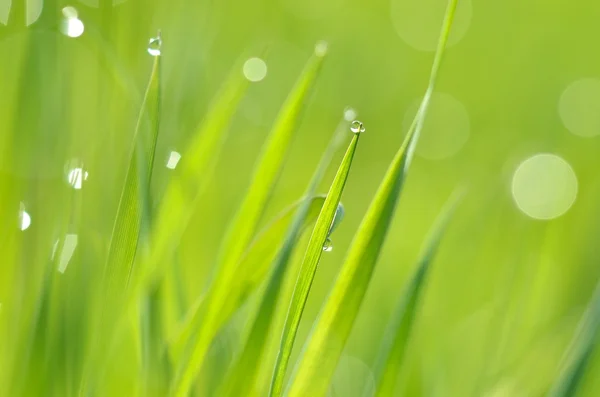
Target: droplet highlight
154,46
71,25
357,127
24,218
328,246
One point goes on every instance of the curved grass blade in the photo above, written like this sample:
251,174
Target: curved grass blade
244,225
244,372
252,269
332,329
393,348
133,204
580,352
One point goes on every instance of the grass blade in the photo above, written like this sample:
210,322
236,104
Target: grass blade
331,331
133,204
309,266
393,347
252,269
190,178
580,351
245,223
245,370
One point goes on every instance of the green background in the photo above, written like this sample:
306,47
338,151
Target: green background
506,291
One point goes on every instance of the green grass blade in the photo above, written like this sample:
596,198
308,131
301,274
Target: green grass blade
332,329
190,178
308,268
244,225
580,351
133,204
393,347
252,269
245,370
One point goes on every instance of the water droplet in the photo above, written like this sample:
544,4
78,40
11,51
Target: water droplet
24,218
357,127
154,45
328,245
76,177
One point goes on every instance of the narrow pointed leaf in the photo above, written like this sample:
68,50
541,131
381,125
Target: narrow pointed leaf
393,347
325,345
308,268
133,204
244,225
580,352
244,372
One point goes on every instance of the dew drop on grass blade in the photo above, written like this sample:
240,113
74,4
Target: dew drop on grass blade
244,371
331,330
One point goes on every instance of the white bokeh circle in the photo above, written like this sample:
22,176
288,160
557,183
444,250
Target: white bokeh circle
544,186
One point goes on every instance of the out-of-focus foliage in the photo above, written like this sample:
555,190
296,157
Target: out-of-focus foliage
515,117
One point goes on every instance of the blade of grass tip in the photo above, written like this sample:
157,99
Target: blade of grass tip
580,351
308,268
393,347
184,191
244,371
331,330
133,205
244,225
132,211
252,269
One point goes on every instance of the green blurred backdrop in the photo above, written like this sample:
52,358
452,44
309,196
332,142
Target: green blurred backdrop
520,78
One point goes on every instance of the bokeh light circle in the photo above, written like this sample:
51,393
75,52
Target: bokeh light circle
544,186
255,69
418,22
446,127
579,107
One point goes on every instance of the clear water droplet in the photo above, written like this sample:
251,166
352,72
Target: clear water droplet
154,45
328,245
357,127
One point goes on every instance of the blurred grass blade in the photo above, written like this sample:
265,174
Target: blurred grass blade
244,225
133,204
245,370
393,347
190,178
580,351
308,268
252,269
329,335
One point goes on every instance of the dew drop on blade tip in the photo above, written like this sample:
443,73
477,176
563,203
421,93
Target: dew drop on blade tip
328,246
357,127
154,46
